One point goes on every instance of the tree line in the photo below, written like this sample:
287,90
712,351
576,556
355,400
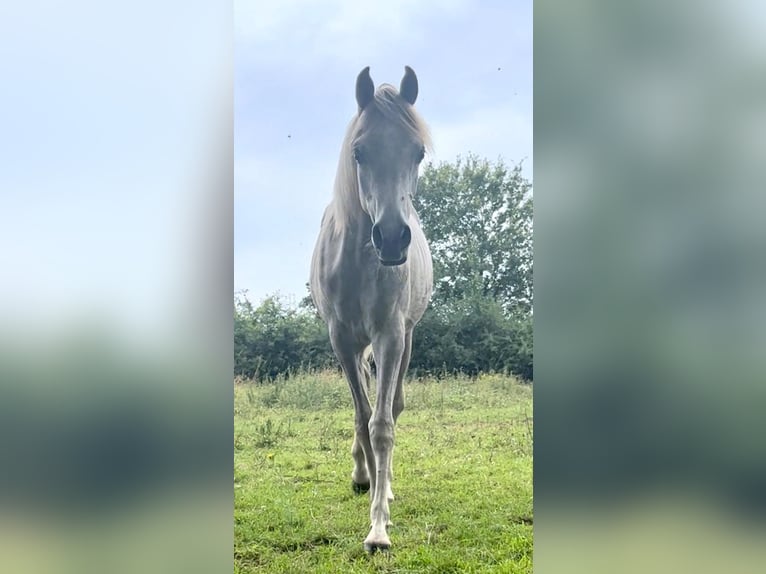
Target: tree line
477,215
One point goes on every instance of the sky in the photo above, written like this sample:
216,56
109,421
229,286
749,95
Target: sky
295,67
110,120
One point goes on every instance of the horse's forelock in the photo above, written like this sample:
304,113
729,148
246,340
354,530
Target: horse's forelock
394,108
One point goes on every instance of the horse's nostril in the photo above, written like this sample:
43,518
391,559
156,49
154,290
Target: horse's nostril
377,237
406,236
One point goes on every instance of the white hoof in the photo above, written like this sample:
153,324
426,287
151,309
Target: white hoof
377,540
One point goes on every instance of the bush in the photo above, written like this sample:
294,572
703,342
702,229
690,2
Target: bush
472,336
272,339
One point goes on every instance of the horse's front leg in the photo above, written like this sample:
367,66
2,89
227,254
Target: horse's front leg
388,349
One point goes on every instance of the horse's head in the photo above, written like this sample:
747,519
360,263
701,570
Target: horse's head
389,144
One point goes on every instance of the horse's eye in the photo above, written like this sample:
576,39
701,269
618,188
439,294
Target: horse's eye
421,154
358,155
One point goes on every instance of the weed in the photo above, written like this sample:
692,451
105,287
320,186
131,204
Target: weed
269,434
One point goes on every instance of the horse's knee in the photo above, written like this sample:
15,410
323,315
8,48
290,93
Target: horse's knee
362,421
362,427
382,433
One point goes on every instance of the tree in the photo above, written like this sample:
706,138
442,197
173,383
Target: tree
477,216
307,302
478,219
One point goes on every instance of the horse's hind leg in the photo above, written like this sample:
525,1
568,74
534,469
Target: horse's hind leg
360,478
398,405
351,361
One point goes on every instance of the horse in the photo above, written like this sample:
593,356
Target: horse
372,275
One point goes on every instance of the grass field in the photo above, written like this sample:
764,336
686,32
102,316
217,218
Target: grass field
462,478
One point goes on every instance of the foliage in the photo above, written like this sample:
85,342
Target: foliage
472,336
468,336
272,338
477,216
478,219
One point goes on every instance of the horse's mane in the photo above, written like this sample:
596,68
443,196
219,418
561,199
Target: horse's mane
393,108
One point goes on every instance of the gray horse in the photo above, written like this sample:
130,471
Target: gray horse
371,274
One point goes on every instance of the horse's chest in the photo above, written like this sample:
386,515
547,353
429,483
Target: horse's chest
369,296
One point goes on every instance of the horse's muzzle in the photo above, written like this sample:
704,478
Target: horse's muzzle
391,243
392,263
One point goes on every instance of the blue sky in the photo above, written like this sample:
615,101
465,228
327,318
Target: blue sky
294,71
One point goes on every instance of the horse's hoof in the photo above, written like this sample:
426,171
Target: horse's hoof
376,540
360,488
373,547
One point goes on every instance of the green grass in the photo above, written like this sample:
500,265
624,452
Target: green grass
462,478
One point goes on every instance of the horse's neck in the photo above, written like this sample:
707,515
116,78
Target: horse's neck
356,230
352,222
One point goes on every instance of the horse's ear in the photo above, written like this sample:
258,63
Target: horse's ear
408,89
365,89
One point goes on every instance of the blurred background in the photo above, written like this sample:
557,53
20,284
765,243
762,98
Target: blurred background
115,299
650,316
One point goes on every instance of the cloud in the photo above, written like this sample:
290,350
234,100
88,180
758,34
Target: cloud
278,209
277,269
502,130
335,31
